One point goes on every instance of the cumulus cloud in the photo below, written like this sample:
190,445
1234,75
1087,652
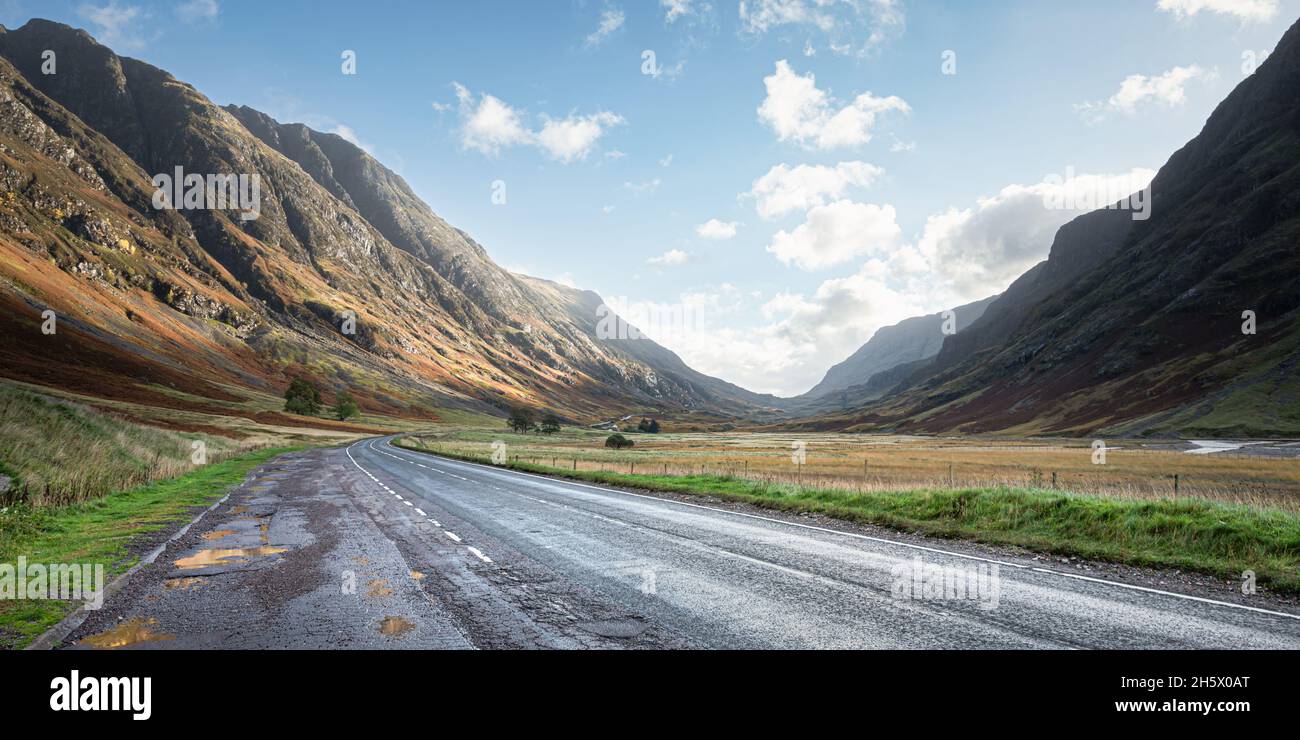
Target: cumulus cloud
786,189
671,258
572,138
972,253
796,110
610,21
717,230
837,233
962,255
490,125
1246,10
1137,91
851,27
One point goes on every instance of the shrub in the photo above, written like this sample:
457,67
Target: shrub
618,442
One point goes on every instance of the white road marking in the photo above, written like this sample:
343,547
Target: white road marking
451,534
479,555
869,538
419,511
408,503
434,522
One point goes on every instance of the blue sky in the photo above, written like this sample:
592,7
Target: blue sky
863,184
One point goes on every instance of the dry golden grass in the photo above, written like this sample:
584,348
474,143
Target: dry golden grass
62,452
1133,469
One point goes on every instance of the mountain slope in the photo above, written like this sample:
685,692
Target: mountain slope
1137,326
913,339
207,301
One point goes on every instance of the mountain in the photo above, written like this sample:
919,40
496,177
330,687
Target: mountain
344,275
1140,326
913,339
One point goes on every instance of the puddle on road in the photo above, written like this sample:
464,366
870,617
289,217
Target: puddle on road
214,556
395,626
183,584
130,632
379,587
219,534
623,629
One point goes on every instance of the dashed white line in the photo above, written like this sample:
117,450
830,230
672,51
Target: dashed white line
479,555
419,511
451,534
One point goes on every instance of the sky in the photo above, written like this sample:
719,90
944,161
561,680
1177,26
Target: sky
759,185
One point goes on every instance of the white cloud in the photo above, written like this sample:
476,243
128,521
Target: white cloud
963,255
975,252
798,111
610,21
574,137
641,188
837,233
786,189
1136,91
666,161
671,258
677,9
490,125
198,11
1246,10
844,22
117,26
717,230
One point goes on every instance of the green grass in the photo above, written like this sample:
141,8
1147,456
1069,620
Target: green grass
1190,534
101,531
80,453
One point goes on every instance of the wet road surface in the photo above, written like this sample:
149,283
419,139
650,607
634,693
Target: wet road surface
375,546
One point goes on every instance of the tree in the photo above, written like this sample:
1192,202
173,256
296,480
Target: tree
521,420
302,398
345,406
550,424
618,442
649,426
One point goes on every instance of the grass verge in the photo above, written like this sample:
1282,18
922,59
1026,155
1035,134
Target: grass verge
103,531
1223,540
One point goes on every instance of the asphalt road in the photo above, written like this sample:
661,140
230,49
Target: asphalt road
375,546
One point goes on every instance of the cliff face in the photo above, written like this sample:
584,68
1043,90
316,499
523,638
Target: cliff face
344,275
